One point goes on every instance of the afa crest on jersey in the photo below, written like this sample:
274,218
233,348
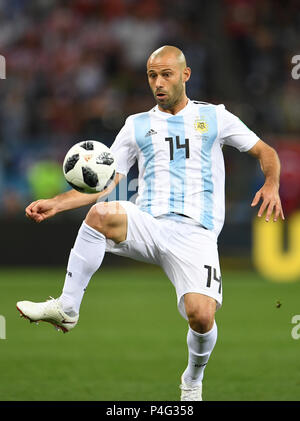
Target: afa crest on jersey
201,125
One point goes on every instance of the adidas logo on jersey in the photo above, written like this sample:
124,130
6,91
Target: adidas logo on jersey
150,133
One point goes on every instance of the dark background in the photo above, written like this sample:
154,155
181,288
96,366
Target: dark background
76,69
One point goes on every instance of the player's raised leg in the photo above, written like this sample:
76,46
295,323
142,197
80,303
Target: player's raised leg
106,220
201,339
103,221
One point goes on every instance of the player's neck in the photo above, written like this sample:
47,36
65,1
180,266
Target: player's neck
177,107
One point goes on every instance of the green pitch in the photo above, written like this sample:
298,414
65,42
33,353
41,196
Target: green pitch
130,340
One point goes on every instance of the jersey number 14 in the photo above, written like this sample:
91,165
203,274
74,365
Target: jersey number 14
178,145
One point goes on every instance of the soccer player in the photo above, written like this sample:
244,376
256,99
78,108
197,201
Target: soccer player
179,211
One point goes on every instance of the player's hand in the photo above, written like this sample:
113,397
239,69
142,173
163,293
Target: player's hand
42,209
271,202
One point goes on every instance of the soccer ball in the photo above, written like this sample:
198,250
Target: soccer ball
89,166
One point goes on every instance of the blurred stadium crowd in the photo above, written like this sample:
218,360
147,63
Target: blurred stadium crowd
76,70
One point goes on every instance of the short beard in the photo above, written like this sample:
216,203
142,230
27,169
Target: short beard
172,102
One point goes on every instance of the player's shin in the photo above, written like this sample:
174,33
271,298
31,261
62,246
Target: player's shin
85,258
200,347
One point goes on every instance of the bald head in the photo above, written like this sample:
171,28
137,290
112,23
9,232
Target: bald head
168,51
167,75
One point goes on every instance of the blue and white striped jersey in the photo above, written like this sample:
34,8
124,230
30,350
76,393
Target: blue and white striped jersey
180,159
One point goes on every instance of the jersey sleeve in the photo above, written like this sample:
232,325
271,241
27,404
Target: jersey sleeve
123,149
234,132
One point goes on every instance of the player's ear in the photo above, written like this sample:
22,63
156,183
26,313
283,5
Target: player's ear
186,74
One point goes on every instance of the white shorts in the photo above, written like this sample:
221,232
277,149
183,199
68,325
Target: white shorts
188,253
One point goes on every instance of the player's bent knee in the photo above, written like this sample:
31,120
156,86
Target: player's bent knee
99,217
108,218
201,322
200,310
201,316
93,218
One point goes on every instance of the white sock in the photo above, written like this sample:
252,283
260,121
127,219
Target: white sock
85,258
200,346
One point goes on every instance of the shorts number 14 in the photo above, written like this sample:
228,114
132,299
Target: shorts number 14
213,271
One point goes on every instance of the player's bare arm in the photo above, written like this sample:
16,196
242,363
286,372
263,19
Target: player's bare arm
42,209
269,192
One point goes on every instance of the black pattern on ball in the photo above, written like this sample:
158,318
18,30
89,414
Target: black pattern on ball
110,180
71,162
89,176
105,158
76,187
88,146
